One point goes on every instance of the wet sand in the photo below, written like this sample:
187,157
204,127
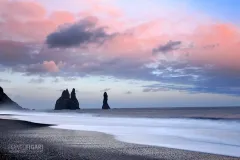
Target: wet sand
67,144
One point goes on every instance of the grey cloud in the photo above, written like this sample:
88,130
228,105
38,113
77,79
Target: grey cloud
78,34
160,87
203,78
56,80
217,80
168,47
5,81
32,69
70,78
60,90
155,89
128,92
133,82
12,53
193,89
20,57
42,88
211,46
194,78
106,89
37,81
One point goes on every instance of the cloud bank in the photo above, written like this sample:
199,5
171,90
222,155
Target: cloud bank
200,57
80,33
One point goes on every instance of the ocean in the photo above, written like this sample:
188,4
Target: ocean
209,130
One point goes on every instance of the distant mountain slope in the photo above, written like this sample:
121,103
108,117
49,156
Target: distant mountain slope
6,102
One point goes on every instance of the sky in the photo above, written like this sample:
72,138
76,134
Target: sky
144,53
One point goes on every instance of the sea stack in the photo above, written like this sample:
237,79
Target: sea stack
67,102
105,101
74,102
6,102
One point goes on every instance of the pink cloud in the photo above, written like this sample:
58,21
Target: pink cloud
127,45
224,39
50,66
105,9
29,21
29,10
60,17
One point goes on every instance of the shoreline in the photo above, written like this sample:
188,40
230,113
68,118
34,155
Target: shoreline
70,144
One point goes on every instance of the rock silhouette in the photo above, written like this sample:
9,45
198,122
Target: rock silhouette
74,101
6,102
105,101
67,93
67,102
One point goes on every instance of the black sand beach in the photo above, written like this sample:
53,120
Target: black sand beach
24,140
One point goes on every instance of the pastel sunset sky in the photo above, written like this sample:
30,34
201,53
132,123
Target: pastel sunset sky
144,53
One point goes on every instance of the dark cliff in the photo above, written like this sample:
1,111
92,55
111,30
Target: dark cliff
67,102
105,101
6,102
